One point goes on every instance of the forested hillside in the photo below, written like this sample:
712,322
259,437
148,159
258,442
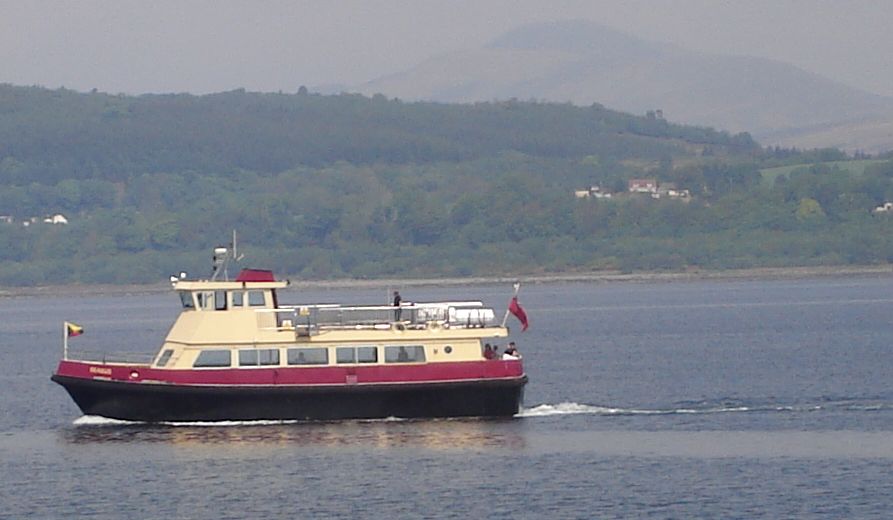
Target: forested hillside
336,186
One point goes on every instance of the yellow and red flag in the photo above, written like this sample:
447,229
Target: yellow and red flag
73,329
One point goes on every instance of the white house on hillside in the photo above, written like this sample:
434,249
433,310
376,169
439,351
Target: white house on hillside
593,191
642,185
58,218
886,208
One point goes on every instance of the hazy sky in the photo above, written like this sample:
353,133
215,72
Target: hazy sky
208,46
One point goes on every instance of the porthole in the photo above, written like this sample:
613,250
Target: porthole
448,349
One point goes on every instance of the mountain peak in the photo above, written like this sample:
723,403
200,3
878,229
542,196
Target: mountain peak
584,62
576,36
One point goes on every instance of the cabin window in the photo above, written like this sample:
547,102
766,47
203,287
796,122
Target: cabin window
308,356
238,299
205,299
164,357
256,298
259,357
186,300
213,358
367,355
404,354
219,300
346,355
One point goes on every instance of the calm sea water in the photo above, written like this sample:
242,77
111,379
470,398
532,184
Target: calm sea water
676,400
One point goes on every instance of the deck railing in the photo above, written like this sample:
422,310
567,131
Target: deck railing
131,358
310,319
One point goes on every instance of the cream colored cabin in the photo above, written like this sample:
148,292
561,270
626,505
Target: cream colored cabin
242,325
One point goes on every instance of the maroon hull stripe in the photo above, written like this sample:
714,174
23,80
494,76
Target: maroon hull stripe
328,375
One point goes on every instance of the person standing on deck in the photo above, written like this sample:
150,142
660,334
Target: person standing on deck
398,311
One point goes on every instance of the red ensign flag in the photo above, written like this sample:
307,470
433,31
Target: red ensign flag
515,308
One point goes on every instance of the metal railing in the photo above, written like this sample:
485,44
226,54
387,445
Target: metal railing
310,319
131,358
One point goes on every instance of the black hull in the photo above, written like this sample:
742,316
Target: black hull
179,403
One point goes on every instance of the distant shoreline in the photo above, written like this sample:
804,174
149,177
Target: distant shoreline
764,273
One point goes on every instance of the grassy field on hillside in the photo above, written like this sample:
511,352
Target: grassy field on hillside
852,167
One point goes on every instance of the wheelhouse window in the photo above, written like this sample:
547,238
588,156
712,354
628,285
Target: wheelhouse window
205,299
219,300
256,298
259,357
308,356
404,354
164,358
238,299
186,300
213,358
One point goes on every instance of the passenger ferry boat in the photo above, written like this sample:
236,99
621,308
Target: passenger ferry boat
235,353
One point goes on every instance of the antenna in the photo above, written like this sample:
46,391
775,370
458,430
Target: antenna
236,255
221,258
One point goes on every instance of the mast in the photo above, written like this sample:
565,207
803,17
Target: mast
65,340
222,257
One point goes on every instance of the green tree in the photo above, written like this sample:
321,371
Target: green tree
809,210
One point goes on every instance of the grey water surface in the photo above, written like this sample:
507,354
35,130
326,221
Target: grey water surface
746,399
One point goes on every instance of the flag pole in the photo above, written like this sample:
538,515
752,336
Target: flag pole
517,286
65,340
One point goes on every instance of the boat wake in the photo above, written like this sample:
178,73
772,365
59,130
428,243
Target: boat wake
97,420
571,408
547,410
550,410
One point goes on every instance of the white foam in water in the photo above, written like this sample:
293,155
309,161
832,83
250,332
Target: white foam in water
98,420
206,424
546,410
569,408
263,422
710,410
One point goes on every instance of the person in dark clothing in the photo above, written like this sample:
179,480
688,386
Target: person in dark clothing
398,312
511,351
488,352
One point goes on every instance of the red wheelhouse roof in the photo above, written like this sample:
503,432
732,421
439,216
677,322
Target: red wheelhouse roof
256,275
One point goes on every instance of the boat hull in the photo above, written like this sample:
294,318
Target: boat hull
152,402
